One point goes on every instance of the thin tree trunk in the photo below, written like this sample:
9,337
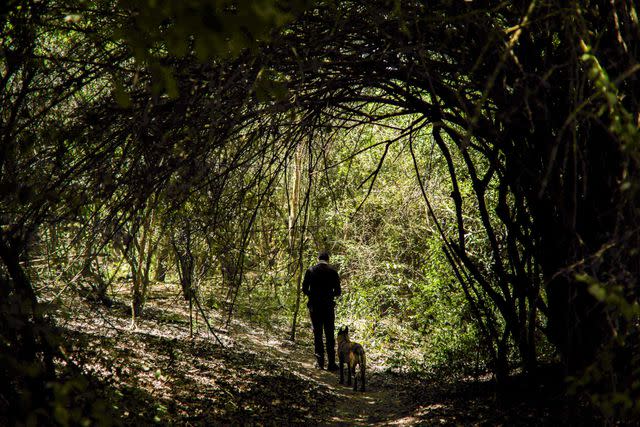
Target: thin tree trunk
294,215
303,229
190,316
145,249
296,311
161,264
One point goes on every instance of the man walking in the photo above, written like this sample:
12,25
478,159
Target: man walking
321,285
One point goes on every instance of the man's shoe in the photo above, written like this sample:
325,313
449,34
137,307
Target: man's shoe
333,367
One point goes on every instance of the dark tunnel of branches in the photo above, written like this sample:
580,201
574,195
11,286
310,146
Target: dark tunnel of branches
119,118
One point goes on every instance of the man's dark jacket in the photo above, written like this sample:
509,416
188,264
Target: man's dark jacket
321,284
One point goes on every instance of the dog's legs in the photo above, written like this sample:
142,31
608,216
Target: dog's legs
341,361
362,376
349,373
355,379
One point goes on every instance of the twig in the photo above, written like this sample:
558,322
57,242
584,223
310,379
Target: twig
206,320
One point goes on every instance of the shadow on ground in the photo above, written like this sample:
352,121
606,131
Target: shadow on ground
156,373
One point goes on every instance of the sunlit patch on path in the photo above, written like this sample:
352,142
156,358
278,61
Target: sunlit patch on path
381,404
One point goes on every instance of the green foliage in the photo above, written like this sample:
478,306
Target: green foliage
213,28
208,30
622,122
619,356
399,294
224,142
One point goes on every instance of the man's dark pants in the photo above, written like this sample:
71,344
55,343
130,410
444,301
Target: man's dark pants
323,319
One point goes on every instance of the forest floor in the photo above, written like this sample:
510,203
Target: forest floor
156,373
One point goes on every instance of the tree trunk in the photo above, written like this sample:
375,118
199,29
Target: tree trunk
296,239
161,262
29,363
574,223
141,265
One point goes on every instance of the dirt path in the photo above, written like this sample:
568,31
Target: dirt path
381,404
198,381
157,371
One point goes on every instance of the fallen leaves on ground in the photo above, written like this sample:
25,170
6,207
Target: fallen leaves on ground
153,375
156,373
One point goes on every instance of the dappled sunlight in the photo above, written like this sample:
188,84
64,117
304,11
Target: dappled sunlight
187,187
258,370
180,370
215,383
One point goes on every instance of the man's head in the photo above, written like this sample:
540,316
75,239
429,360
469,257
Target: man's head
323,256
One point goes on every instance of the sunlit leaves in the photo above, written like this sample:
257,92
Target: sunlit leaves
157,30
210,28
621,121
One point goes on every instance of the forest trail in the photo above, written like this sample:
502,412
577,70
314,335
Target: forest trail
157,373
380,404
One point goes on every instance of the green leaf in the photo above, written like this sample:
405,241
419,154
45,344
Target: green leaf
598,291
122,97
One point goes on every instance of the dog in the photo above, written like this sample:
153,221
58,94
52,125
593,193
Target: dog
352,354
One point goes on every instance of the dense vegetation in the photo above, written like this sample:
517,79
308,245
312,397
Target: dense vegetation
471,165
